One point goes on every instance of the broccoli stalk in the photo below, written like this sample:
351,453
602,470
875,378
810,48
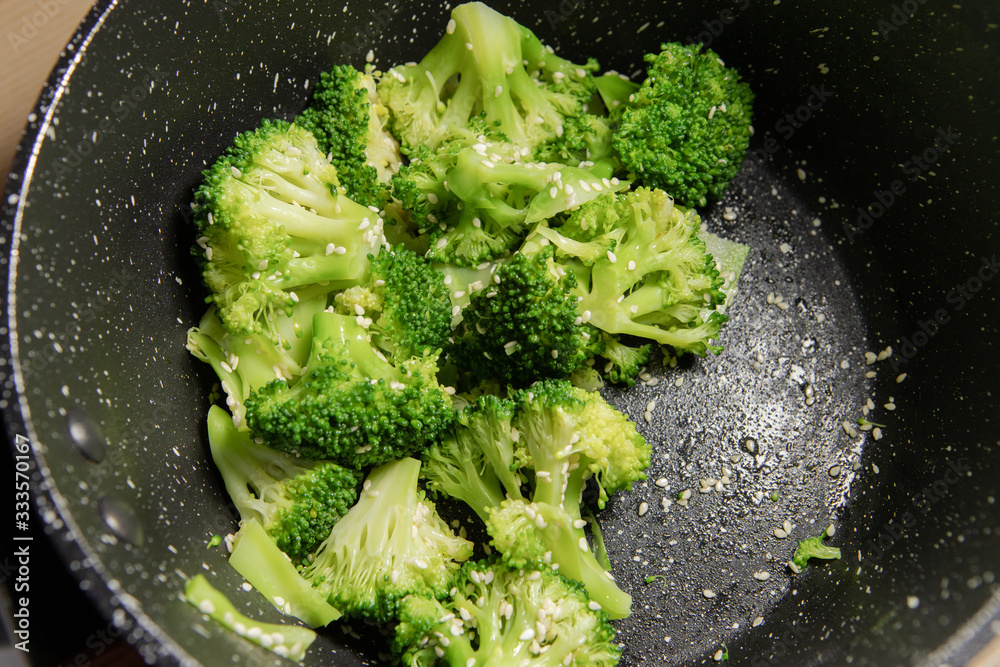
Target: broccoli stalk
352,405
555,438
687,128
498,615
390,544
269,570
296,501
288,641
486,63
272,220
348,121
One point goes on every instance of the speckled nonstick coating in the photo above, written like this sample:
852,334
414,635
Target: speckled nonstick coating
101,290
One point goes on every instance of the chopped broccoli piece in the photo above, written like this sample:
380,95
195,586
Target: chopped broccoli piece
624,362
553,438
288,641
348,121
524,326
405,305
486,63
476,195
687,128
352,405
245,363
658,283
391,544
812,547
297,501
497,615
273,219
269,570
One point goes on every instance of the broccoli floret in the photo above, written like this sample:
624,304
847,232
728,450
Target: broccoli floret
245,363
623,362
812,547
658,283
405,305
288,641
486,63
687,128
524,326
391,544
522,464
348,121
476,195
352,405
296,501
273,219
498,615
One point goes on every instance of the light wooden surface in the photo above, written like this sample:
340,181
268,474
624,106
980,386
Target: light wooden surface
32,34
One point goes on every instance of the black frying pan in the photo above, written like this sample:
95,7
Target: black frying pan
868,199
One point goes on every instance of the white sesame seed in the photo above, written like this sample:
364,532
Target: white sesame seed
900,377
612,257
708,593
762,576
643,508
583,544
450,28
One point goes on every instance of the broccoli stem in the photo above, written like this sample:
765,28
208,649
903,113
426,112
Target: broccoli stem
288,641
270,571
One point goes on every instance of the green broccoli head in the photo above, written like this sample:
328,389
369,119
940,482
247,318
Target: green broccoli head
348,121
525,325
273,219
297,501
687,128
658,283
486,63
352,405
505,616
391,544
405,305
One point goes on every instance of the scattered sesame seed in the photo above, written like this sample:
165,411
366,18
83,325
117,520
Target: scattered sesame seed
780,534
643,508
708,593
900,377
834,471
762,576
757,621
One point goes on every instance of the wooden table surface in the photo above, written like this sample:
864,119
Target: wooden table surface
34,33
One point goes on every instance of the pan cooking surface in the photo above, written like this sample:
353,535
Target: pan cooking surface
103,291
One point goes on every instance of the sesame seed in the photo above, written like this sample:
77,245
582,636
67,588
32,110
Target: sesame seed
662,482
643,508
780,534
498,91
900,377
708,593
761,576
612,257
450,28
631,265
583,544
594,606
757,621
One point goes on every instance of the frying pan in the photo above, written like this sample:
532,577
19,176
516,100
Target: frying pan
868,200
